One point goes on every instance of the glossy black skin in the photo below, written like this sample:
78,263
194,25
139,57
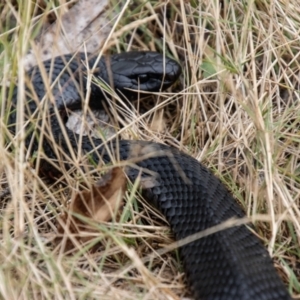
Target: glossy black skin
231,264
143,71
68,81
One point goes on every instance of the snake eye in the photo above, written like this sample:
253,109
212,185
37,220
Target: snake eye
143,78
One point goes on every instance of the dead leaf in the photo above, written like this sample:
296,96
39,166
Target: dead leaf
99,204
88,33
158,123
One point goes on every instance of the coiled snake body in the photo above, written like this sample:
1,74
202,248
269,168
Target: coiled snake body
229,264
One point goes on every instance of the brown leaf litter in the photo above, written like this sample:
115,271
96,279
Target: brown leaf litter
98,204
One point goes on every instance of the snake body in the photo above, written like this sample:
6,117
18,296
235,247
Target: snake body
229,264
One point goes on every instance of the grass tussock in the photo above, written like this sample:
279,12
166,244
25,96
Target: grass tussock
236,109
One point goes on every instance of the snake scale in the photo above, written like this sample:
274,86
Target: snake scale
229,264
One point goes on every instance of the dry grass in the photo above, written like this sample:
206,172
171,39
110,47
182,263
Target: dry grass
237,111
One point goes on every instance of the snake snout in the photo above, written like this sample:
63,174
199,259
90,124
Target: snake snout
173,70
143,72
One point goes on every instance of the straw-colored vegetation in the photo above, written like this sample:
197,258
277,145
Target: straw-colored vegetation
235,109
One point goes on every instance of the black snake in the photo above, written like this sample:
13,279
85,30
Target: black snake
229,264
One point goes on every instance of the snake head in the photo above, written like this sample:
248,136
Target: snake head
142,72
